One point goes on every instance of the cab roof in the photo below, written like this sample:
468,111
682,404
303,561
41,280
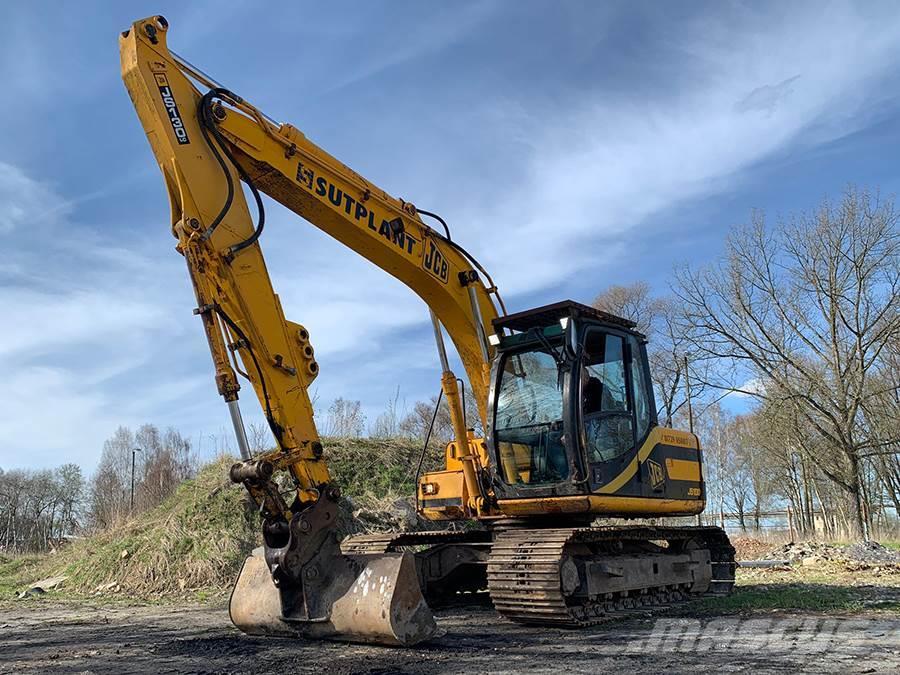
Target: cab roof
549,315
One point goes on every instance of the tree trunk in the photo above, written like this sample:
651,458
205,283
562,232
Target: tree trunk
859,518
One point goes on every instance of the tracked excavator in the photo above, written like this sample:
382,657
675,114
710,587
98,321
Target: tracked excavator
563,391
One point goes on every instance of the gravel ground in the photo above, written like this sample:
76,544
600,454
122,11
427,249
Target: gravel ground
43,637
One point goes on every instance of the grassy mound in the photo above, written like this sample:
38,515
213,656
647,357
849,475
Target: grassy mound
370,470
193,544
16,572
378,480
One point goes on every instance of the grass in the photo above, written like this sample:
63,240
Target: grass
375,469
194,541
795,597
828,587
16,572
192,545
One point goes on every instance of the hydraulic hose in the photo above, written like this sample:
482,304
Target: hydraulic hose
208,126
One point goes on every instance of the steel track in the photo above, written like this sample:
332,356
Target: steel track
524,573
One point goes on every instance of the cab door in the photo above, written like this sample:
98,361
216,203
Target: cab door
614,409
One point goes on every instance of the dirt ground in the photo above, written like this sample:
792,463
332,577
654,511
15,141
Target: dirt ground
48,637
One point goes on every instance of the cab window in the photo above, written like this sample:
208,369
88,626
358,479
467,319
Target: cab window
605,403
528,419
641,390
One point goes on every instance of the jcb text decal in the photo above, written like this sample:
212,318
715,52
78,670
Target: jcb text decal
435,262
392,230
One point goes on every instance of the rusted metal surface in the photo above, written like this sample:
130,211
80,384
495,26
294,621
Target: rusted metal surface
378,600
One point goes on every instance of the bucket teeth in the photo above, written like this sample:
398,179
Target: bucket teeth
377,600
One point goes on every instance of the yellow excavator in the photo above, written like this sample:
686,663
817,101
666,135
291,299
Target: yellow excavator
563,391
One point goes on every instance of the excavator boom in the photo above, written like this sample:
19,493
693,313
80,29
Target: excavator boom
207,144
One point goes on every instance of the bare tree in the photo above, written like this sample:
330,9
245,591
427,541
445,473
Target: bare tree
635,302
668,349
109,485
417,423
808,308
387,424
166,463
882,413
259,436
345,419
38,508
713,426
754,465
162,462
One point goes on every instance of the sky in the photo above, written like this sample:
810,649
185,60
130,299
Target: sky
570,145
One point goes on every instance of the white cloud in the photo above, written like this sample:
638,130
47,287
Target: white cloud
47,417
750,389
83,322
348,305
378,53
753,88
24,201
36,322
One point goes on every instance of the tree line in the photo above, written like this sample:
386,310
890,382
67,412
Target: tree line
344,418
801,317
161,460
40,509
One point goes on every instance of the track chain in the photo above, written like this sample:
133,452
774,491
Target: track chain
525,584
392,541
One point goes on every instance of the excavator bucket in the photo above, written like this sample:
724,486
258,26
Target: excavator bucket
377,600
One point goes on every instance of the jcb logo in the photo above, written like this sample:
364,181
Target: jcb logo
435,262
655,473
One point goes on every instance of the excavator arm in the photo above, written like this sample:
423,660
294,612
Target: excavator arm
208,145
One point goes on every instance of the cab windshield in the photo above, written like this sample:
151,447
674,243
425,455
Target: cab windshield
528,419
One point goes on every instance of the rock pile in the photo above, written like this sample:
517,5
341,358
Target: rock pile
861,556
872,552
802,551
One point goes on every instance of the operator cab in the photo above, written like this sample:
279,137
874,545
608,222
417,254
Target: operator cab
571,400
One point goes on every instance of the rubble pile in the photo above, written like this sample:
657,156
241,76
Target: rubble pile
872,552
870,556
801,551
379,515
748,548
